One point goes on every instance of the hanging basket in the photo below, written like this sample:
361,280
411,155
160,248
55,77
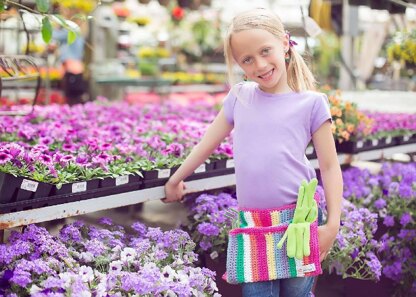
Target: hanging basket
164,2
144,1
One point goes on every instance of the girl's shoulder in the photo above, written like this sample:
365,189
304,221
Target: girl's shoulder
315,96
243,86
243,91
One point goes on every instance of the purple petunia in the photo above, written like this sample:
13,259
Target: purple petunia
405,219
5,157
208,229
380,203
388,221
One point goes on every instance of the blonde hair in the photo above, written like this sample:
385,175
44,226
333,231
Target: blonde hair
299,76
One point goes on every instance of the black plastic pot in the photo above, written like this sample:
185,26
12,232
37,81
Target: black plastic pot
77,187
15,188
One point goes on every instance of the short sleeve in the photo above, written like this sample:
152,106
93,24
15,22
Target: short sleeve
320,112
228,105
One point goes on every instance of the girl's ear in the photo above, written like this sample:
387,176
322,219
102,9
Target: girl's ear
286,44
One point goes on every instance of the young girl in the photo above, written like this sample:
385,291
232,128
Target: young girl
274,116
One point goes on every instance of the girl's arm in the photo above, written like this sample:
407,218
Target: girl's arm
324,144
215,134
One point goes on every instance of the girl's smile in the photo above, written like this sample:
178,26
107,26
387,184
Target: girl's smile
267,76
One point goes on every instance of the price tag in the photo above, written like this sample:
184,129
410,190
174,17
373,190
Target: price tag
230,163
163,173
122,180
200,169
309,150
360,144
406,137
375,142
79,187
29,185
214,255
309,268
388,140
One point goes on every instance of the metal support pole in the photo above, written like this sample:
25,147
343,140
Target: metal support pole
346,81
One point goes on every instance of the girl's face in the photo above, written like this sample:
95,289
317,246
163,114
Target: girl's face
261,55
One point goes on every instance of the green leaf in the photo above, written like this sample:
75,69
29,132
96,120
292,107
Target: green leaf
43,5
2,5
46,29
71,37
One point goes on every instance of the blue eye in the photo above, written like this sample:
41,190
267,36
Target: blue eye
247,60
266,51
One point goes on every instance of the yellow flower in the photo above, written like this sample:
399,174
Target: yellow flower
339,122
345,135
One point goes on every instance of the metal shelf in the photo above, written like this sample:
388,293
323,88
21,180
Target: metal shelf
65,210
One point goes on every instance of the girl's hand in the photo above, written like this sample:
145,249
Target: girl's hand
327,235
174,191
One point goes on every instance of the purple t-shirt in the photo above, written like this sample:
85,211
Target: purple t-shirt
271,133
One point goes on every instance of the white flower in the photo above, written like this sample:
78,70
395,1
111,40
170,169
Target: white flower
213,286
183,277
67,278
169,273
101,290
128,254
116,266
35,289
170,293
86,273
178,262
87,257
85,294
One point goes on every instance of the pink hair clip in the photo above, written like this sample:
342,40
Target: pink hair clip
291,42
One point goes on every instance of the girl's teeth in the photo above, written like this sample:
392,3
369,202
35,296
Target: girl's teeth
268,74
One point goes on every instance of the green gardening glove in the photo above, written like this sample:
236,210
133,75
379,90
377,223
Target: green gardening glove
306,208
310,201
298,231
298,236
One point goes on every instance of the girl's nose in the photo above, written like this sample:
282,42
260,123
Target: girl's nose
260,63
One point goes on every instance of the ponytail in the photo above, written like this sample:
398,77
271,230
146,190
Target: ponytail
299,76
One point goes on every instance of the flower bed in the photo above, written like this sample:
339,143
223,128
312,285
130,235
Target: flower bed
67,146
356,131
89,261
391,194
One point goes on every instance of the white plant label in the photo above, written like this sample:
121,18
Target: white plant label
200,169
406,138
122,180
230,163
375,142
388,140
163,173
79,187
29,185
309,268
360,144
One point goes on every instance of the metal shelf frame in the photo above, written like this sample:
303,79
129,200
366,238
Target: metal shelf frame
65,210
